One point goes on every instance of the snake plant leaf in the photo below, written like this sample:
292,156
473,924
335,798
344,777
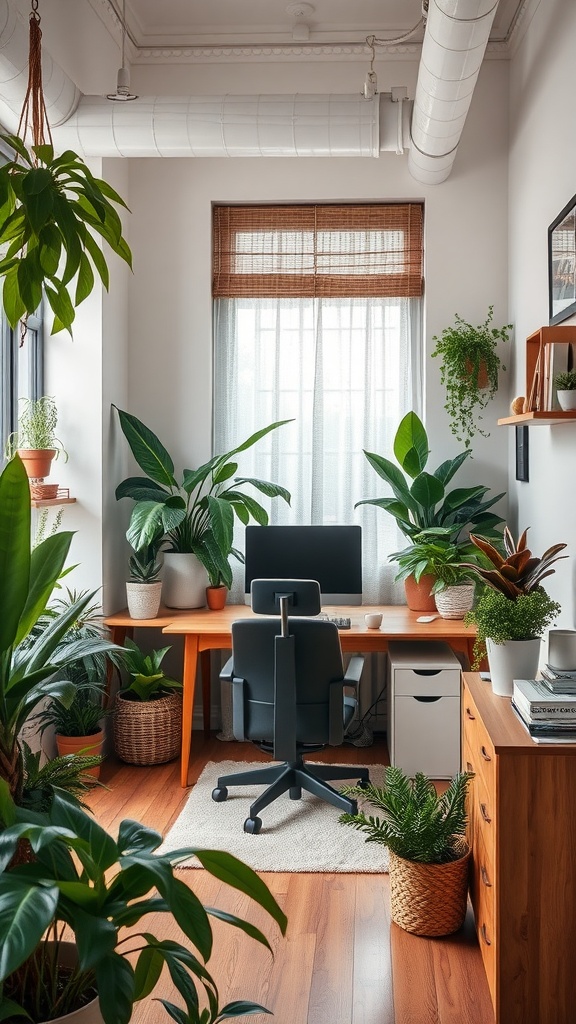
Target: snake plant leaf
411,445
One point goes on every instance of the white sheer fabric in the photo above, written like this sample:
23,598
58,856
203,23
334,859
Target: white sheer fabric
346,371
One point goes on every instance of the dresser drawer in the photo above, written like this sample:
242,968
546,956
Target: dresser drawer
483,816
484,900
477,743
441,682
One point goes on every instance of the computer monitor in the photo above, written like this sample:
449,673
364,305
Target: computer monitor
330,554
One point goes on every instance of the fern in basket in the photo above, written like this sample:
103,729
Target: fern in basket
418,825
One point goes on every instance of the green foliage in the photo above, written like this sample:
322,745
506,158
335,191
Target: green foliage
418,824
50,210
434,554
148,680
518,571
31,661
196,515
144,567
464,350
500,618
422,501
102,888
565,381
66,774
36,427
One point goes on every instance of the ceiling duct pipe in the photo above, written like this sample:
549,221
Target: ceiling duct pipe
454,44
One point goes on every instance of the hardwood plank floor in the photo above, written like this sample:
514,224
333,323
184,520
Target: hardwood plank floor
342,961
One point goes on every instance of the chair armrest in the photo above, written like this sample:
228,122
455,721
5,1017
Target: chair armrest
226,672
354,671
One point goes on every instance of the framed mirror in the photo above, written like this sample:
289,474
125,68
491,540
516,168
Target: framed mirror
562,264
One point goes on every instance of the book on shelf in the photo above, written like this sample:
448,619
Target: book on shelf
546,733
558,682
536,701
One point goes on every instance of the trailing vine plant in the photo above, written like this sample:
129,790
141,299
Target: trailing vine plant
469,372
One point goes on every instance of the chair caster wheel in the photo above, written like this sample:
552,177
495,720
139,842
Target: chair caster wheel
219,794
363,783
253,826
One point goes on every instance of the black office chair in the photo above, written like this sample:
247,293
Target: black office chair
288,696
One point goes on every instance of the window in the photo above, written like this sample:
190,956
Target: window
21,370
318,319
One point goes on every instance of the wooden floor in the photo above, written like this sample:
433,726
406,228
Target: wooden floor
342,961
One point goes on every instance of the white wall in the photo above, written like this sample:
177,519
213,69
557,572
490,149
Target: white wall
542,181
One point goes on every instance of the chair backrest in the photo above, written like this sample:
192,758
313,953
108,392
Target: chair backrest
295,670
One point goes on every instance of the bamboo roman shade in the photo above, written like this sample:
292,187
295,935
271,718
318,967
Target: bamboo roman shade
329,251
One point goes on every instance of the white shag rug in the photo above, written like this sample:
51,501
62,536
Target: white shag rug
297,835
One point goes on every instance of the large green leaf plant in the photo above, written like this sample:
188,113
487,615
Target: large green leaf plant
422,501
32,662
196,515
51,209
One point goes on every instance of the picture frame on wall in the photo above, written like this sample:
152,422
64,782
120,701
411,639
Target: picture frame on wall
522,466
562,264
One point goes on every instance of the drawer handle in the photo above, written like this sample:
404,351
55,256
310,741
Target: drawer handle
485,935
427,700
484,876
469,767
485,754
470,715
485,814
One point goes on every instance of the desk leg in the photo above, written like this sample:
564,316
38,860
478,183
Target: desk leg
118,635
205,671
189,680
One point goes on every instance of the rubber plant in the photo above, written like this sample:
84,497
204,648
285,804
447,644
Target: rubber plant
469,372
51,209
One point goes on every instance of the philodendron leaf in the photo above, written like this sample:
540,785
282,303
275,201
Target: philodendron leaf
26,911
14,305
411,445
147,449
427,490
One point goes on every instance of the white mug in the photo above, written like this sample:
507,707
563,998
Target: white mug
562,649
373,620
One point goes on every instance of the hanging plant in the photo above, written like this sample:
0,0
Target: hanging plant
469,372
51,208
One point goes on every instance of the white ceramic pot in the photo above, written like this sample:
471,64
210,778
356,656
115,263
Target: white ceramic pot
89,1014
567,400
515,659
454,602
143,599
185,581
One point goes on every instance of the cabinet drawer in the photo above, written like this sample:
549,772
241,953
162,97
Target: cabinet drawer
483,897
478,743
423,682
426,736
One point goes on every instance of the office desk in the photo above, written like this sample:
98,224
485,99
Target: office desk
205,631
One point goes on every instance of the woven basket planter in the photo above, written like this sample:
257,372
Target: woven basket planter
148,732
429,899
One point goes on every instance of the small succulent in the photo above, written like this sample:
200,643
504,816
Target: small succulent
144,568
520,572
565,381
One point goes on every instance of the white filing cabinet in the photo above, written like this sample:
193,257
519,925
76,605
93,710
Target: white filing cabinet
424,708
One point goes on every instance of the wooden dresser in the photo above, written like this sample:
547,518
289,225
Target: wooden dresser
522,826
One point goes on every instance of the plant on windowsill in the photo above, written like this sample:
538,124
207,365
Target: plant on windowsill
422,501
469,372
35,440
425,836
565,384
194,518
148,712
513,610
144,587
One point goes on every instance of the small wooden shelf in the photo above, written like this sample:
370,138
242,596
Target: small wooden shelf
49,502
545,418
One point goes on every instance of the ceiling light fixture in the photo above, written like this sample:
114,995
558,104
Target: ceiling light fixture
123,93
370,87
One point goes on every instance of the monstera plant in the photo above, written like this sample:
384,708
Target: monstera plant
51,209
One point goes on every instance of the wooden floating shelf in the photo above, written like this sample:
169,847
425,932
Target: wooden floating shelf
546,417
48,502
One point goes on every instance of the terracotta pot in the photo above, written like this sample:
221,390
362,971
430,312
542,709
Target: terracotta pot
43,492
37,461
216,597
82,744
482,376
418,596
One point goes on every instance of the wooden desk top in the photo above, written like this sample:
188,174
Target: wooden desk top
503,727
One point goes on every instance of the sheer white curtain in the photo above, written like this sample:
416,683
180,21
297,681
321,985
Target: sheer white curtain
346,371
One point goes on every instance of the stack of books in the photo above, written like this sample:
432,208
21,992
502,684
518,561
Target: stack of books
559,682
548,714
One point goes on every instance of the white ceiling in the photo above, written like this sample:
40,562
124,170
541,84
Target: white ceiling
190,23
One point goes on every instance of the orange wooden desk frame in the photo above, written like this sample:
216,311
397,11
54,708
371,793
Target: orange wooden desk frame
206,631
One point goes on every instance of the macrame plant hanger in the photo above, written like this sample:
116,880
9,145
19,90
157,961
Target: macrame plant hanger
34,117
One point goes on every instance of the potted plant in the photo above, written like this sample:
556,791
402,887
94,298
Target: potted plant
565,384
422,501
429,856
50,208
433,554
101,889
514,610
193,518
31,662
144,588
469,372
35,440
148,713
